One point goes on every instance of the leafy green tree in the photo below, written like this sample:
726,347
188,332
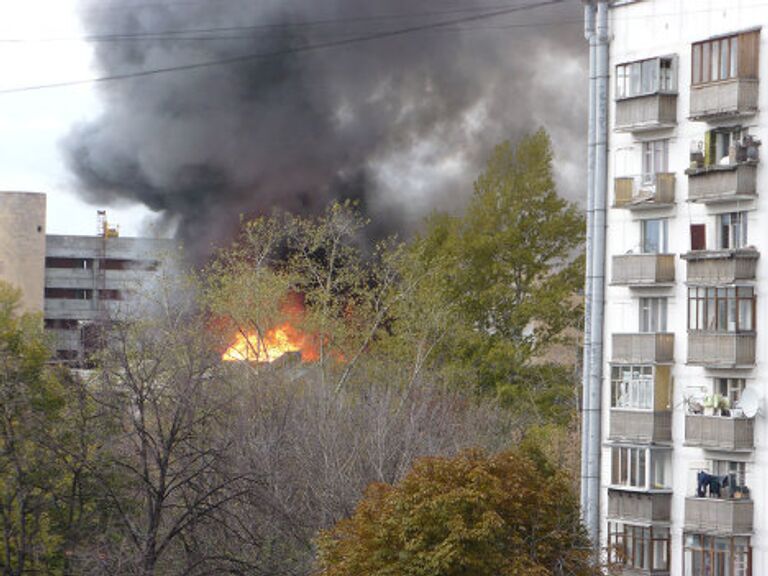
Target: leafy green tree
509,514
507,274
31,476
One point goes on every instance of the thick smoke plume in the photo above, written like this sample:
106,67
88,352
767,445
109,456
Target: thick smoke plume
403,124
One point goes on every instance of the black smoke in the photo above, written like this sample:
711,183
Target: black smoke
402,124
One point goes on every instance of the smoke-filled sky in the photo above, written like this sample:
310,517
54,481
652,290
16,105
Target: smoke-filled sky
401,122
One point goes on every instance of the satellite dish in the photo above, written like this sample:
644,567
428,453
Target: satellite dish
749,402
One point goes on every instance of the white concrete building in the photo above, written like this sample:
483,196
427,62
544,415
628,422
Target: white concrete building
686,316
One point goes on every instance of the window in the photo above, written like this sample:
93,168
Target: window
640,547
654,236
639,467
737,475
644,77
729,309
725,58
69,263
732,230
60,324
655,160
632,387
722,147
653,315
717,556
69,293
730,388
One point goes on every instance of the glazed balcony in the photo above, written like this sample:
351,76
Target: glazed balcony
721,349
723,99
719,432
627,425
643,348
722,183
644,192
723,516
643,270
647,112
639,506
718,267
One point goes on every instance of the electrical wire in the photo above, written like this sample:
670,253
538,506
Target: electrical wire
289,51
270,27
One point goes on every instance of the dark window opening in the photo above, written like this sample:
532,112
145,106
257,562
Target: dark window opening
110,295
66,354
69,293
69,263
125,264
60,324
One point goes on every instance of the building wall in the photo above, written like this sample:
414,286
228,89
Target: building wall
657,28
22,245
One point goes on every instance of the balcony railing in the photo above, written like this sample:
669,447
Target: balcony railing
640,426
735,97
648,112
719,516
713,267
642,192
722,183
643,269
643,348
721,349
719,432
639,506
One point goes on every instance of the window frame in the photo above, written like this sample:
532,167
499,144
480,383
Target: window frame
653,538
733,234
646,77
663,236
655,160
720,309
637,393
638,467
709,552
652,317
725,58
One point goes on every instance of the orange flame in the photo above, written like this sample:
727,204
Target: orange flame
277,341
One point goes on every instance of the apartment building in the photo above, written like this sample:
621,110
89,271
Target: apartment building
684,458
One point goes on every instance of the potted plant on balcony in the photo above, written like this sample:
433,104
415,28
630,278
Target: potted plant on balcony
709,405
724,406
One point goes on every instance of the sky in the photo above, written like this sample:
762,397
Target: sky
407,130
32,124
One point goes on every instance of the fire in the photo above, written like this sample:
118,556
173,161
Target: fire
276,341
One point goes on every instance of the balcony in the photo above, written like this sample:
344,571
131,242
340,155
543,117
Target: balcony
639,348
636,193
719,432
643,270
718,267
719,516
722,183
727,98
640,426
639,506
721,349
647,112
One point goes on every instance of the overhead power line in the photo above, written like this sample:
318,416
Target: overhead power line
270,27
285,52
